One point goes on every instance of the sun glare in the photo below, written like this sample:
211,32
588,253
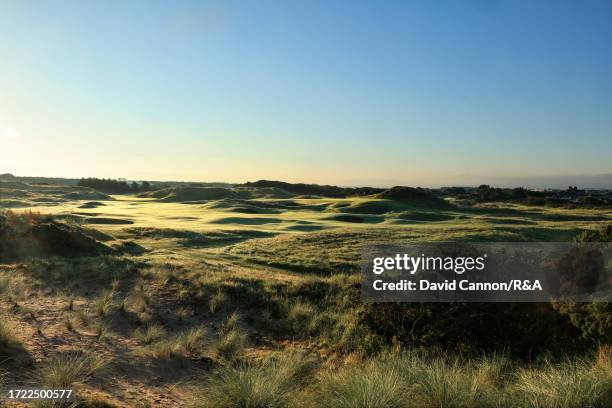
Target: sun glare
10,133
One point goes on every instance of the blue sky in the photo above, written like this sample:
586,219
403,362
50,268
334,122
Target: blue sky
340,92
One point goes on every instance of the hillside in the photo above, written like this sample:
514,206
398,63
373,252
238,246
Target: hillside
315,189
191,194
190,293
28,235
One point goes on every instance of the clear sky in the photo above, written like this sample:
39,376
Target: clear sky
338,92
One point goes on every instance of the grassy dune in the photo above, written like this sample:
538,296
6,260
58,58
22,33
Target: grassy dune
248,297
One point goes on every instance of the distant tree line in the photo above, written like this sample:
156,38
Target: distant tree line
488,193
114,186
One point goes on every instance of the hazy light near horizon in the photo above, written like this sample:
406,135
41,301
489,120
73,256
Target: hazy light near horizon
327,92
11,133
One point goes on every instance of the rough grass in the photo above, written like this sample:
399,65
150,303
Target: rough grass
300,316
290,285
64,370
192,340
230,344
218,301
104,303
7,339
374,386
189,343
149,334
573,384
414,380
271,384
404,380
191,194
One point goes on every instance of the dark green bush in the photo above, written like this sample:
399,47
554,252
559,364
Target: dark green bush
524,330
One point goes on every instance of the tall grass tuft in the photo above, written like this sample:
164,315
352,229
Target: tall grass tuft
217,302
150,334
443,383
192,341
230,345
183,313
572,384
64,370
375,385
103,304
164,349
410,379
270,384
231,323
300,316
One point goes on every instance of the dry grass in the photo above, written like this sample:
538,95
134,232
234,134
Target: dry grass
192,341
64,370
150,334
272,383
296,298
7,338
573,384
230,345
68,324
82,318
183,313
231,323
104,303
21,219
218,301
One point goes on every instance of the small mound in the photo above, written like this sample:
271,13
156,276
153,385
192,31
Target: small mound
508,221
47,200
308,196
91,204
246,221
265,192
14,184
347,218
370,207
244,210
27,235
13,204
112,221
60,239
130,248
405,193
282,205
243,207
423,216
191,194
86,195
200,239
573,217
340,205
98,235
12,193
305,228
314,189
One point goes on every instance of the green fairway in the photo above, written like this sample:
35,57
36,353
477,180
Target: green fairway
186,290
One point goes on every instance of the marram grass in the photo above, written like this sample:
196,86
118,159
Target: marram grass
409,380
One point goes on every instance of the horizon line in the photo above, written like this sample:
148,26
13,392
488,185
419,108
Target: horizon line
500,183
